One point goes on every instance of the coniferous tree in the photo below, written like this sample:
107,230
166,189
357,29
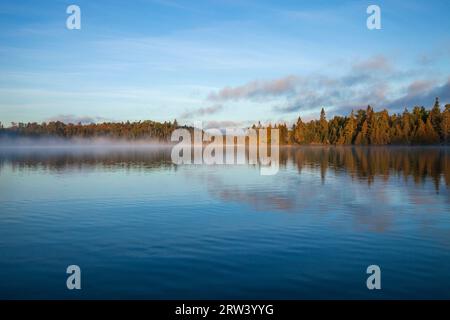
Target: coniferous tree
284,133
323,128
445,124
436,117
300,132
380,128
420,134
362,136
349,130
406,127
363,127
431,136
370,123
335,128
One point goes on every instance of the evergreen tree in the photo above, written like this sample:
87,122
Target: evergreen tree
380,128
284,133
323,128
299,132
420,134
406,127
445,124
349,130
436,117
362,136
363,127
431,136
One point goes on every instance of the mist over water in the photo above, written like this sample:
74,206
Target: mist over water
55,142
140,226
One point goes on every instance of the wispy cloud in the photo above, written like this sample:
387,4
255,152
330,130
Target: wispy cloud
375,63
367,81
70,118
257,89
421,94
226,124
201,111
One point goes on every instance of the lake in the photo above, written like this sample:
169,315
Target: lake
141,227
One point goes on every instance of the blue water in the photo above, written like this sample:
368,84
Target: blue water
140,227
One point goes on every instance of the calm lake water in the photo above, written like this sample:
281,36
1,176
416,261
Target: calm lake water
141,227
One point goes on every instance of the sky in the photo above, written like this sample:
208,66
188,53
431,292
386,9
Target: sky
226,63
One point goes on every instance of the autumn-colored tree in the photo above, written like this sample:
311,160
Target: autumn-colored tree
284,133
362,127
420,134
370,119
349,130
445,124
431,136
380,131
335,128
299,132
436,117
362,136
406,127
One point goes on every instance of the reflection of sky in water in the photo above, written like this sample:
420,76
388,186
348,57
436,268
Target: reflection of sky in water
304,232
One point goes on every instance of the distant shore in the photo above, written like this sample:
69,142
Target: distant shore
361,127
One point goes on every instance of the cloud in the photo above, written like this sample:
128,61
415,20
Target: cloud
417,93
257,89
419,87
373,81
421,93
366,70
225,124
70,118
360,84
305,101
375,63
201,111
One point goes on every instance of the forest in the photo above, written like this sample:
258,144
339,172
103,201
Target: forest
362,127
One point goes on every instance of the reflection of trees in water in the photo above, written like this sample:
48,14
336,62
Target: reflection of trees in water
370,162
363,163
372,207
61,160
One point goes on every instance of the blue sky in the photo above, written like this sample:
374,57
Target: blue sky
224,62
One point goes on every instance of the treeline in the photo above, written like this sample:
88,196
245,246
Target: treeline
363,127
367,127
153,130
